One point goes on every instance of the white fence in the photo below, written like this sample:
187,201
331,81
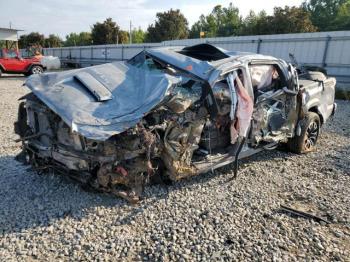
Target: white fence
328,49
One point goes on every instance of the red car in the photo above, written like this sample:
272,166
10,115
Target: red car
12,63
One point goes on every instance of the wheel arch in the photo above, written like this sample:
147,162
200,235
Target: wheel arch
317,111
31,66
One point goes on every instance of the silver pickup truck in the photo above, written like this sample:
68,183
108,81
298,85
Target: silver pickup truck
168,113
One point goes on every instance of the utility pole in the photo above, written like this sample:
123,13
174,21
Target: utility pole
130,36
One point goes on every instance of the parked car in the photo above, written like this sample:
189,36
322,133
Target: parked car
168,113
12,63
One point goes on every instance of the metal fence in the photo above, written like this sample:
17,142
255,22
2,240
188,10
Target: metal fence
97,54
327,49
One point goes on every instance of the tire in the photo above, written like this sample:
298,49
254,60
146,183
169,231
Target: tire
35,70
310,129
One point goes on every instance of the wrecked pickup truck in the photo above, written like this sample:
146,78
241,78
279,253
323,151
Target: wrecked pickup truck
168,113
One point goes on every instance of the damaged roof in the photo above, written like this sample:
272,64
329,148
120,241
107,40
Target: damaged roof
202,59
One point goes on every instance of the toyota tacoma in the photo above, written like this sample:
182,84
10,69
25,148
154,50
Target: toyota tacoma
168,113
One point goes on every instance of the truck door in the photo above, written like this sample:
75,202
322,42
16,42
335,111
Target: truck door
275,115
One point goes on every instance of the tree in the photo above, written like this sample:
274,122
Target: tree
169,25
105,33
22,41
81,39
53,41
222,21
323,12
123,37
205,24
31,39
229,21
254,24
290,20
36,38
283,21
138,36
342,20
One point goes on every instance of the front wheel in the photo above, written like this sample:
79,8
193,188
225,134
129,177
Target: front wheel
306,141
36,70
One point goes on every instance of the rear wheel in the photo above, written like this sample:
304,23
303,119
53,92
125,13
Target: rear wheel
36,70
310,129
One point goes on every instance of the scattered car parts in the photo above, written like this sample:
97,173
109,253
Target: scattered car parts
303,214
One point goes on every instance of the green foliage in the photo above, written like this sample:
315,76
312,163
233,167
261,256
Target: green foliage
227,22
105,33
289,20
283,21
324,13
169,25
254,24
22,41
342,20
53,41
205,24
108,32
222,21
32,39
81,39
123,37
138,36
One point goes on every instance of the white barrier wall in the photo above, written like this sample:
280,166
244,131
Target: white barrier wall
327,49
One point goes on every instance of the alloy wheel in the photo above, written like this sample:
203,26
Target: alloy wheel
311,135
37,70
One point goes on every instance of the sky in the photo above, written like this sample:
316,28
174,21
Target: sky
61,17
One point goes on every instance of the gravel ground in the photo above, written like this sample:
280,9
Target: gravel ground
48,217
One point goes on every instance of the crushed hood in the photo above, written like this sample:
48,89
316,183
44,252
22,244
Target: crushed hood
104,100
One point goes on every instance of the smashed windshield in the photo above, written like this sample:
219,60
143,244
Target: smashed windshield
143,61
